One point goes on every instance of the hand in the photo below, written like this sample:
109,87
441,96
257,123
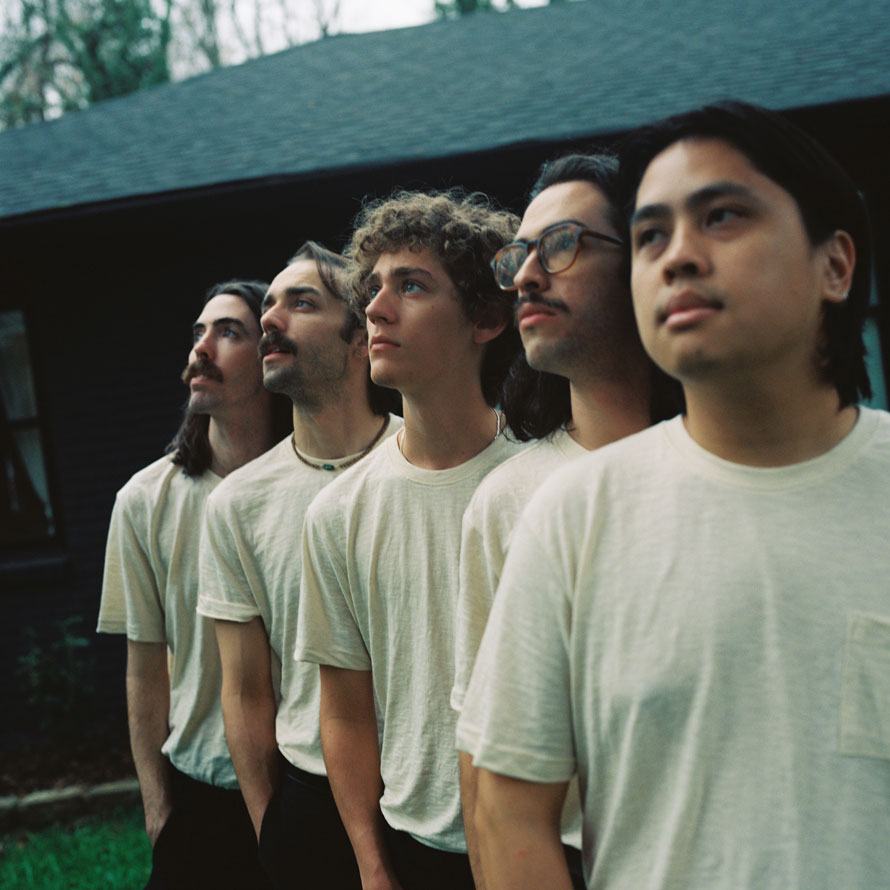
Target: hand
155,820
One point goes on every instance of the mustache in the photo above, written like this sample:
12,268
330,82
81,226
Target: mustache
201,367
543,301
276,340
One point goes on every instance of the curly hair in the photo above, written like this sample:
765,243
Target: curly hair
464,231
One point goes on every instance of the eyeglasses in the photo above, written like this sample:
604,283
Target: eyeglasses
557,246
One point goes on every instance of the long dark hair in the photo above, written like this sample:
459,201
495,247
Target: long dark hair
190,447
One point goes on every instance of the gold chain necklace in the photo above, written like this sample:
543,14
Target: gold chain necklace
331,467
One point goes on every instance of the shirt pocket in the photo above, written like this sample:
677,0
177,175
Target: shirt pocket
865,689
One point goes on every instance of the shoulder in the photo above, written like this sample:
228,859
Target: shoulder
242,483
515,479
148,484
609,473
354,487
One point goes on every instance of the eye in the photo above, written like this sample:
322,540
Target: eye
373,290
647,237
302,304
230,332
410,286
719,215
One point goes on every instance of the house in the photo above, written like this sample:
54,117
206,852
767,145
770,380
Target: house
115,219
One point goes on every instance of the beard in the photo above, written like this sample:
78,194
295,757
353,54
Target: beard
312,379
201,402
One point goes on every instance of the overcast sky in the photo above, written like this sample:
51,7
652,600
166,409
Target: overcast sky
284,22
377,15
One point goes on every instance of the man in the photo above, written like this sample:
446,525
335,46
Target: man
194,815
314,350
680,619
381,544
568,269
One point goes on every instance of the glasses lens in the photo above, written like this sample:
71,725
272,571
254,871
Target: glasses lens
507,264
558,247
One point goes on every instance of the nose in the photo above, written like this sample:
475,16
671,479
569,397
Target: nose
685,255
204,346
270,320
531,274
380,308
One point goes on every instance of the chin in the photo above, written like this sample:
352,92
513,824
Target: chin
384,377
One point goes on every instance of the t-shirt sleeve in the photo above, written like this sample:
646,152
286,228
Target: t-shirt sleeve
480,565
328,631
224,586
516,718
131,599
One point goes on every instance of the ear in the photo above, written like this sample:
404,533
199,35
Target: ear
839,255
489,325
359,343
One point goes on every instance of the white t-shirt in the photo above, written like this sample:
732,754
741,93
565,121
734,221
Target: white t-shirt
380,578
488,525
251,565
150,591
708,644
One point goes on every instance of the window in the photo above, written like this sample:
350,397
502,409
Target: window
26,513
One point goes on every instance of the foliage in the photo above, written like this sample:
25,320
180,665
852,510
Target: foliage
66,54
55,679
95,854
451,9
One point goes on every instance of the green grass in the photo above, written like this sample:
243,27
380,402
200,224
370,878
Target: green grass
97,853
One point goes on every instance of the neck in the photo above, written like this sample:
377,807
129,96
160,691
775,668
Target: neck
444,432
605,410
235,442
767,426
339,429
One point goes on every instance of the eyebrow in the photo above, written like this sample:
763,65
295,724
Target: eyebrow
559,222
199,326
405,271
695,201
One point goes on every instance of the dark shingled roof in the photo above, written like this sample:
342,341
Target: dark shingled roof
569,70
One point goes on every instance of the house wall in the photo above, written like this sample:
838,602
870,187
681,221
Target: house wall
109,294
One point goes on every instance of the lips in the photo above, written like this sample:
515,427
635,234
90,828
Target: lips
532,311
275,343
378,342
687,308
201,370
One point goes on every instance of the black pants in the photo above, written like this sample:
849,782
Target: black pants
303,844
419,867
208,842
576,867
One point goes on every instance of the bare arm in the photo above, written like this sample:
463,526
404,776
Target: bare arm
248,705
352,758
518,823
469,780
148,702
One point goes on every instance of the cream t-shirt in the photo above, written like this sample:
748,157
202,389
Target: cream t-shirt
251,565
380,580
708,645
488,524
150,591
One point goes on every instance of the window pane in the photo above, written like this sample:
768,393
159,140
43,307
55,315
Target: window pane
26,513
875,366
16,382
